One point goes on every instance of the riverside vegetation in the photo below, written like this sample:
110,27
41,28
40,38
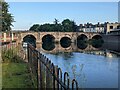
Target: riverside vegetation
15,72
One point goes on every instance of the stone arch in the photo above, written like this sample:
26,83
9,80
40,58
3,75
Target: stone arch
97,36
30,39
65,35
82,41
65,42
48,37
97,41
25,34
82,37
68,35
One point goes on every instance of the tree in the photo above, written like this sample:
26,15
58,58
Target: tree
68,26
35,27
7,17
46,28
0,15
57,26
74,26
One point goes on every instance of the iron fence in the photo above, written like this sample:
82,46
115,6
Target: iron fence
45,74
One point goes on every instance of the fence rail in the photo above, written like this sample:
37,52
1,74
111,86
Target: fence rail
46,74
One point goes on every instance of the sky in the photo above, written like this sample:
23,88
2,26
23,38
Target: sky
28,13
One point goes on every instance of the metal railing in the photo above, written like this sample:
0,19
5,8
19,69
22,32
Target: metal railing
46,74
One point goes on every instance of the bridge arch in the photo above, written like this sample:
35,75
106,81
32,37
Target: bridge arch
48,38
82,41
48,47
82,37
65,42
30,39
96,36
68,35
97,41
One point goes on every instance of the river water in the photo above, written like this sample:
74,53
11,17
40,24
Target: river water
91,67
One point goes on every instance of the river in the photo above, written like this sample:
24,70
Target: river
91,67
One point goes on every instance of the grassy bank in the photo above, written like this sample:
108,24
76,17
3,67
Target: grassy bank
15,72
16,75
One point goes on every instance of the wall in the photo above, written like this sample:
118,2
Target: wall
111,38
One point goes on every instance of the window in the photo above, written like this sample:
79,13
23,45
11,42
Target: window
111,27
118,27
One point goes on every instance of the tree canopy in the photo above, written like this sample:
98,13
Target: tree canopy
6,17
66,26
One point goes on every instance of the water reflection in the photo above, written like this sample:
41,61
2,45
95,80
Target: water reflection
48,46
82,45
65,42
91,67
67,53
55,48
97,43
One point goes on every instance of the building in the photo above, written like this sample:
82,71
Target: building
99,28
105,28
112,27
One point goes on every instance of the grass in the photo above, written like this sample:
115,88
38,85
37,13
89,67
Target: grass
15,72
16,75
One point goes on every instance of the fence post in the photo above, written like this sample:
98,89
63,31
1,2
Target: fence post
66,76
39,81
47,73
28,52
56,74
53,76
74,81
59,76
40,68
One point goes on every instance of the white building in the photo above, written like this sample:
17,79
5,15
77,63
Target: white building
111,27
93,29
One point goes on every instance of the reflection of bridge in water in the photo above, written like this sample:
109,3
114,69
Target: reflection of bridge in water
105,50
71,48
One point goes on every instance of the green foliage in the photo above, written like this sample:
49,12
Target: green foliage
34,27
16,75
69,26
46,27
15,72
66,26
7,17
10,55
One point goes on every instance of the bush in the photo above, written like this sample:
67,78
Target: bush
10,55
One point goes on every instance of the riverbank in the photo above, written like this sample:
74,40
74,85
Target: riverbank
15,71
16,75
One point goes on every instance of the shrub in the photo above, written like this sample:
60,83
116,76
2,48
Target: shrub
10,55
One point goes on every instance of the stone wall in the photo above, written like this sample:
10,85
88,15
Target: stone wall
111,38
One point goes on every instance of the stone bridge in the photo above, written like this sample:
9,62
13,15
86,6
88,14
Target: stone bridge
56,35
